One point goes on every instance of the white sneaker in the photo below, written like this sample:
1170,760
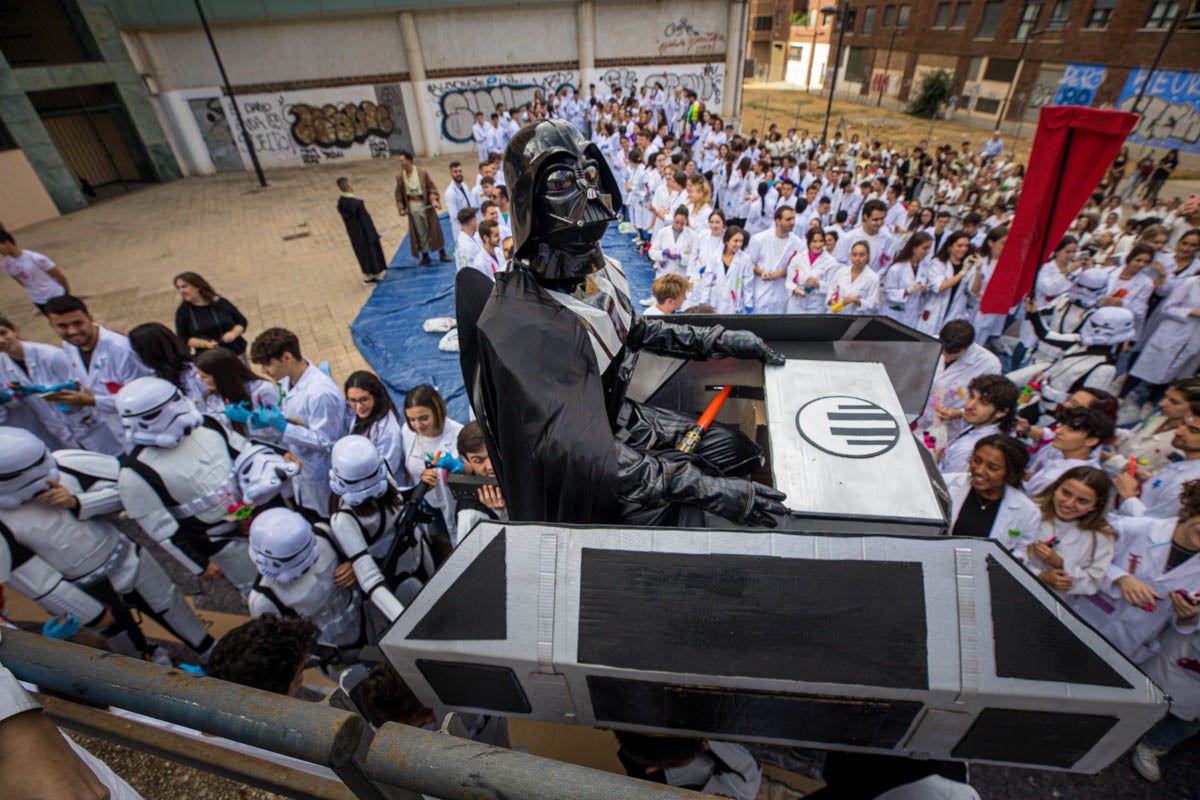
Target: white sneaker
1145,761
649,301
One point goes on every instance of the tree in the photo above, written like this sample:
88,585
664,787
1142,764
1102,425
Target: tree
932,94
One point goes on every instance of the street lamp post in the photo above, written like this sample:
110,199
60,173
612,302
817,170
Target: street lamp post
840,13
887,67
1013,82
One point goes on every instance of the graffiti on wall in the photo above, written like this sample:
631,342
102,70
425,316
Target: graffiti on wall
458,99
706,80
306,127
681,37
1170,108
1079,85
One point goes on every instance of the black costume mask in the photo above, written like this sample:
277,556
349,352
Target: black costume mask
563,197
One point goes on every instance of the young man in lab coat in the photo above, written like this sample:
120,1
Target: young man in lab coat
772,253
103,362
312,415
457,197
990,408
961,362
1160,492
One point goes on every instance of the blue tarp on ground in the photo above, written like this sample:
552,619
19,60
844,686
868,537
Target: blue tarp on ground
388,329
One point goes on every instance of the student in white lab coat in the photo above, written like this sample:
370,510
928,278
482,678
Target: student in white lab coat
33,364
312,416
1159,492
854,289
1154,559
1130,286
724,279
376,418
906,283
710,243
671,247
990,408
947,270
427,432
230,382
465,247
1079,433
773,253
961,362
457,197
669,292
165,354
808,281
482,136
1074,544
1174,342
734,194
670,195
699,203
1176,670
986,499
103,362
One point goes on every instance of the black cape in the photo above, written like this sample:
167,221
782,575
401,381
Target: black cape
363,236
541,402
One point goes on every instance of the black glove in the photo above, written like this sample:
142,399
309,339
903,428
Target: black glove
740,500
744,344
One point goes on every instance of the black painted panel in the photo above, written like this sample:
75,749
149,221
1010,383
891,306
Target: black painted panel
1033,737
1032,644
862,722
475,685
849,622
474,607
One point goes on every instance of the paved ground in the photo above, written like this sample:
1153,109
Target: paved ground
121,255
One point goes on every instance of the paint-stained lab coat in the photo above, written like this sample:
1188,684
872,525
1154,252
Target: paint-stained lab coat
113,365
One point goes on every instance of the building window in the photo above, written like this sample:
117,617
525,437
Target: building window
1058,17
778,18
796,53
856,64
1100,14
987,105
991,19
762,23
868,19
1161,15
961,12
902,16
889,16
1029,19
826,20
942,18
1001,70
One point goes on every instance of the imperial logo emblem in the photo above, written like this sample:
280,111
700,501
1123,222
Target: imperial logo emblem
849,427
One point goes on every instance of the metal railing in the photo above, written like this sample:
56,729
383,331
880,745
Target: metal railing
393,762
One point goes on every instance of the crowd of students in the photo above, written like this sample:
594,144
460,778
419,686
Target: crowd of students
248,463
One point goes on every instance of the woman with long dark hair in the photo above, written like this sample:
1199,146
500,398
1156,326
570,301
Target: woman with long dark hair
428,431
162,351
375,417
229,381
204,319
905,284
986,499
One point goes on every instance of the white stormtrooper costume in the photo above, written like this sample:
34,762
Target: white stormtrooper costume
295,563
364,526
263,475
1091,363
178,481
76,562
1057,324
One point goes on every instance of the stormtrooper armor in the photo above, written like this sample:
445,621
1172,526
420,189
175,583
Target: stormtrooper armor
364,526
75,561
154,412
182,494
1091,363
296,569
1057,324
262,474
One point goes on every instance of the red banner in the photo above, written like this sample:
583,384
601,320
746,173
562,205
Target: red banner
1073,148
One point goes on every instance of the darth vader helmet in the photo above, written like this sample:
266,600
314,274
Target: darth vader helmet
563,198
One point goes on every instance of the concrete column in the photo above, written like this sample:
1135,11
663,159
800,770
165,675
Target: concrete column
585,24
27,130
735,57
431,139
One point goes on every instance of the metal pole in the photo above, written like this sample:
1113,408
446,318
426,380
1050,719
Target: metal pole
312,732
886,67
837,59
1162,48
415,759
262,179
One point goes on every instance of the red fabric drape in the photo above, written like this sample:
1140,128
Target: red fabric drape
1072,149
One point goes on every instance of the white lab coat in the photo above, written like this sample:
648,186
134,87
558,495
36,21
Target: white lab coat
934,302
1017,520
898,302
1050,284
466,248
487,264
1052,468
958,451
666,200
843,284
881,249
1160,494
1175,340
323,416
1085,554
950,389
1139,289
47,365
457,197
728,290
1143,546
113,365
771,253
387,434
671,252
1182,685
814,301
415,449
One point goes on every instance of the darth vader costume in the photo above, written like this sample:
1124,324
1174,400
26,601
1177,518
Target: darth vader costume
548,358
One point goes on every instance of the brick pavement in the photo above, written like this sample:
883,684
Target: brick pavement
121,254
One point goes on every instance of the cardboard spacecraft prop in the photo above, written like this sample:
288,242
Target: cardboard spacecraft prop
856,625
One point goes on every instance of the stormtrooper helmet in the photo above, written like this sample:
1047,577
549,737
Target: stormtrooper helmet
262,473
282,544
154,412
358,472
1109,326
25,467
1090,287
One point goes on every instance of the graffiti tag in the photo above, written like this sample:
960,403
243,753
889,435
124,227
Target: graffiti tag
706,83
331,126
459,99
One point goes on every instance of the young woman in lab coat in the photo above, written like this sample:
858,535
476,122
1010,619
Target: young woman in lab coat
808,282
855,289
724,280
428,431
1075,543
1140,596
905,284
33,364
228,381
375,417
987,498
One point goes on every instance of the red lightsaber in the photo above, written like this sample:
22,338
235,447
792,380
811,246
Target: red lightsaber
692,438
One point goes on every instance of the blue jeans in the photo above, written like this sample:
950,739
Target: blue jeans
1170,731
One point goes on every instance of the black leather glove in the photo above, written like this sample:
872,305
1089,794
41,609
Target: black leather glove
744,344
740,500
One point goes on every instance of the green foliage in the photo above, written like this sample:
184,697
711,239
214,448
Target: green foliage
932,93
799,17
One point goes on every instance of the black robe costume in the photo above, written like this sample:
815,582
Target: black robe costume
363,236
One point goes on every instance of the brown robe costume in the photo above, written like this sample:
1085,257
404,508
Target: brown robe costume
431,194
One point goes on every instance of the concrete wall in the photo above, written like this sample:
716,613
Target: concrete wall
431,68
23,199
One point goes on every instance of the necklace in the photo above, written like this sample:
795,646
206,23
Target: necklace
984,504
